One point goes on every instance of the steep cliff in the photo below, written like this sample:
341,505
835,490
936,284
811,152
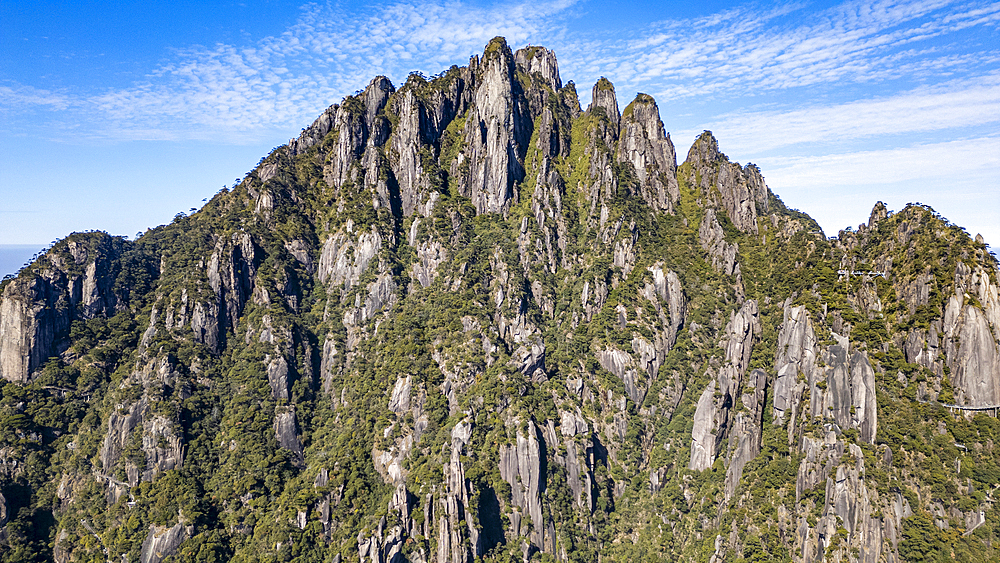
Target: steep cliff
466,319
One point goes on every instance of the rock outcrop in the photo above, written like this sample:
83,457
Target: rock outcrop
740,191
162,542
74,280
795,362
286,430
970,335
713,239
496,133
747,428
522,465
644,144
713,418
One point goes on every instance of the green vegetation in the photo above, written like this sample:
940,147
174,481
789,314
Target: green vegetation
241,372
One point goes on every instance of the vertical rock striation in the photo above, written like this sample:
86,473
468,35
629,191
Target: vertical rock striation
740,191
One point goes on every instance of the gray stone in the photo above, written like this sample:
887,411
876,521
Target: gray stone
645,145
795,354
973,354
622,366
286,430
399,401
520,466
496,133
430,255
346,255
162,542
277,376
740,189
300,250
713,240
603,97
746,433
702,438
542,61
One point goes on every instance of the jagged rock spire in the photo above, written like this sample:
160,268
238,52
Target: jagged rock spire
496,132
741,189
542,61
603,96
644,143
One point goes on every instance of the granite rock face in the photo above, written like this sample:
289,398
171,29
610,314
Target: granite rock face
286,430
713,418
522,465
713,239
741,190
162,542
496,133
839,471
424,114
747,429
849,394
644,144
346,255
796,353
970,335
540,61
603,98
75,280
232,275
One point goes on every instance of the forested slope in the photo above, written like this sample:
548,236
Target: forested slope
467,319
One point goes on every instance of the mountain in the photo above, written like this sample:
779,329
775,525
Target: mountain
468,320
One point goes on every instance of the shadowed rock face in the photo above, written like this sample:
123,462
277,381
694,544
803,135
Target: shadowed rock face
713,418
3,516
796,354
496,132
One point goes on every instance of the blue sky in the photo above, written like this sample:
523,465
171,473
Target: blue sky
117,116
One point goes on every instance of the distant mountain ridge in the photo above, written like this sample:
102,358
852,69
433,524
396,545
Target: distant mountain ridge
466,319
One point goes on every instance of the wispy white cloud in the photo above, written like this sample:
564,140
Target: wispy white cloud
949,105
21,97
746,51
932,161
233,94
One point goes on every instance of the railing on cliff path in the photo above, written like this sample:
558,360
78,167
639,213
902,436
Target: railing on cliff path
980,408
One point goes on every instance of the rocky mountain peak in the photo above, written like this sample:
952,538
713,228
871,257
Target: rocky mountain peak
603,97
879,212
375,96
497,49
540,60
644,143
740,191
461,320
704,151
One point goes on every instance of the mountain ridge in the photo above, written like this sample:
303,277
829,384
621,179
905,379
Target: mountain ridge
467,318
